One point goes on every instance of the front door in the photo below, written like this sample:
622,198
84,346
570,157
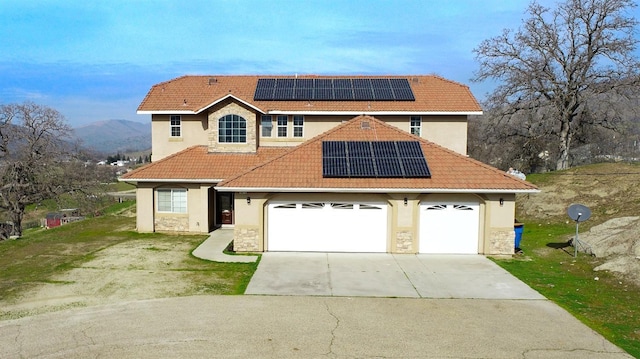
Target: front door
224,208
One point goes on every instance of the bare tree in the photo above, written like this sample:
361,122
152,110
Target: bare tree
32,149
557,63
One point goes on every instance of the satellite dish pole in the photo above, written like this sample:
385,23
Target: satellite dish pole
579,213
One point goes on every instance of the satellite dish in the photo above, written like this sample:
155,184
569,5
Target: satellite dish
579,212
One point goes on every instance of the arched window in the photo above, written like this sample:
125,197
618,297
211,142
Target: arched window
232,128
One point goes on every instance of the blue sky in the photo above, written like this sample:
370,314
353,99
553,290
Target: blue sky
96,60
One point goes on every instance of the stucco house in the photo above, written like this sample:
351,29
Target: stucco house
323,163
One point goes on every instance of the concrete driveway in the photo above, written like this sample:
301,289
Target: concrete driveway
385,275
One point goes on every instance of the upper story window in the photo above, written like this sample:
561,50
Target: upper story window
298,126
416,125
176,126
282,125
267,125
233,129
172,200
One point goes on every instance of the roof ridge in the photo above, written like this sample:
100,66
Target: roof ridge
153,164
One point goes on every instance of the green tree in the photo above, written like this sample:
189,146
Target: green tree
560,61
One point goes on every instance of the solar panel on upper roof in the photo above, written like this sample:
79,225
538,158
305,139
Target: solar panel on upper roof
323,83
304,83
375,159
340,89
342,83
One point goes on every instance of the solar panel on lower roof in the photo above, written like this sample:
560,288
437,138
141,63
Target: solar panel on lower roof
388,167
335,167
283,93
285,83
409,149
375,159
382,93
361,167
403,94
358,149
415,167
323,83
380,83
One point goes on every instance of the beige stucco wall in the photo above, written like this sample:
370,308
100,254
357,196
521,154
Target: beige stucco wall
498,229
194,132
196,220
447,131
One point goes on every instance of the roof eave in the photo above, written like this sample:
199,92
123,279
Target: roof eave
191,112
373,190
376,113
170,180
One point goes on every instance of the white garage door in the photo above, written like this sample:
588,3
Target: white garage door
449,227
327,227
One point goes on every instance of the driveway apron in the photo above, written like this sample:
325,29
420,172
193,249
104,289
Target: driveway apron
385,275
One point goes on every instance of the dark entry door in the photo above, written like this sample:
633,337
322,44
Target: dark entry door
224,208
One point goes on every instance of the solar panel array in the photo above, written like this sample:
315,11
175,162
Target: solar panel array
376,159
339,89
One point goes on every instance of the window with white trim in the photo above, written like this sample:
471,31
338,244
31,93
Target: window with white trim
298,126
172,200
282,126
416,125
176,126
267,125
232,129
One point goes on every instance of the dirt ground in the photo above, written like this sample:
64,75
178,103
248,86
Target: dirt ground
612,193
124,272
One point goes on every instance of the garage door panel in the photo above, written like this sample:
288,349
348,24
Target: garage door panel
327,227
449,227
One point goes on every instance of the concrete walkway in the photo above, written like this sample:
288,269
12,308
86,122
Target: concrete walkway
213,247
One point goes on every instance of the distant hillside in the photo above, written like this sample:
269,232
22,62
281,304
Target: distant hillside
112,136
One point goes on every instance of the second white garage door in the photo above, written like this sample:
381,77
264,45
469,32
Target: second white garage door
327,227
449,227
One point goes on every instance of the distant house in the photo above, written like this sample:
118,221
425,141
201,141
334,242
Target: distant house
323,163
64,216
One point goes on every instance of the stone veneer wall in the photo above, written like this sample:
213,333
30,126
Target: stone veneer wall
501,241
172,223
246,239
404,242
232,109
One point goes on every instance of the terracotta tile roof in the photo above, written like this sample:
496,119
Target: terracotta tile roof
196,164
301,167
193,94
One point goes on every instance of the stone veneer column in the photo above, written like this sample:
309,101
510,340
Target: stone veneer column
501,241
245,239
404,242
232,109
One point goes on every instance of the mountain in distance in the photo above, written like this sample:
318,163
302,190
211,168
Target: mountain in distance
113,136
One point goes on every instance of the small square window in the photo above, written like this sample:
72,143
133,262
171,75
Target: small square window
416,125
282,125
172,200
298,126
267,125
176,126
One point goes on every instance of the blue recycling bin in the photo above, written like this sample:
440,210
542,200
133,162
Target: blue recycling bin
518,228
